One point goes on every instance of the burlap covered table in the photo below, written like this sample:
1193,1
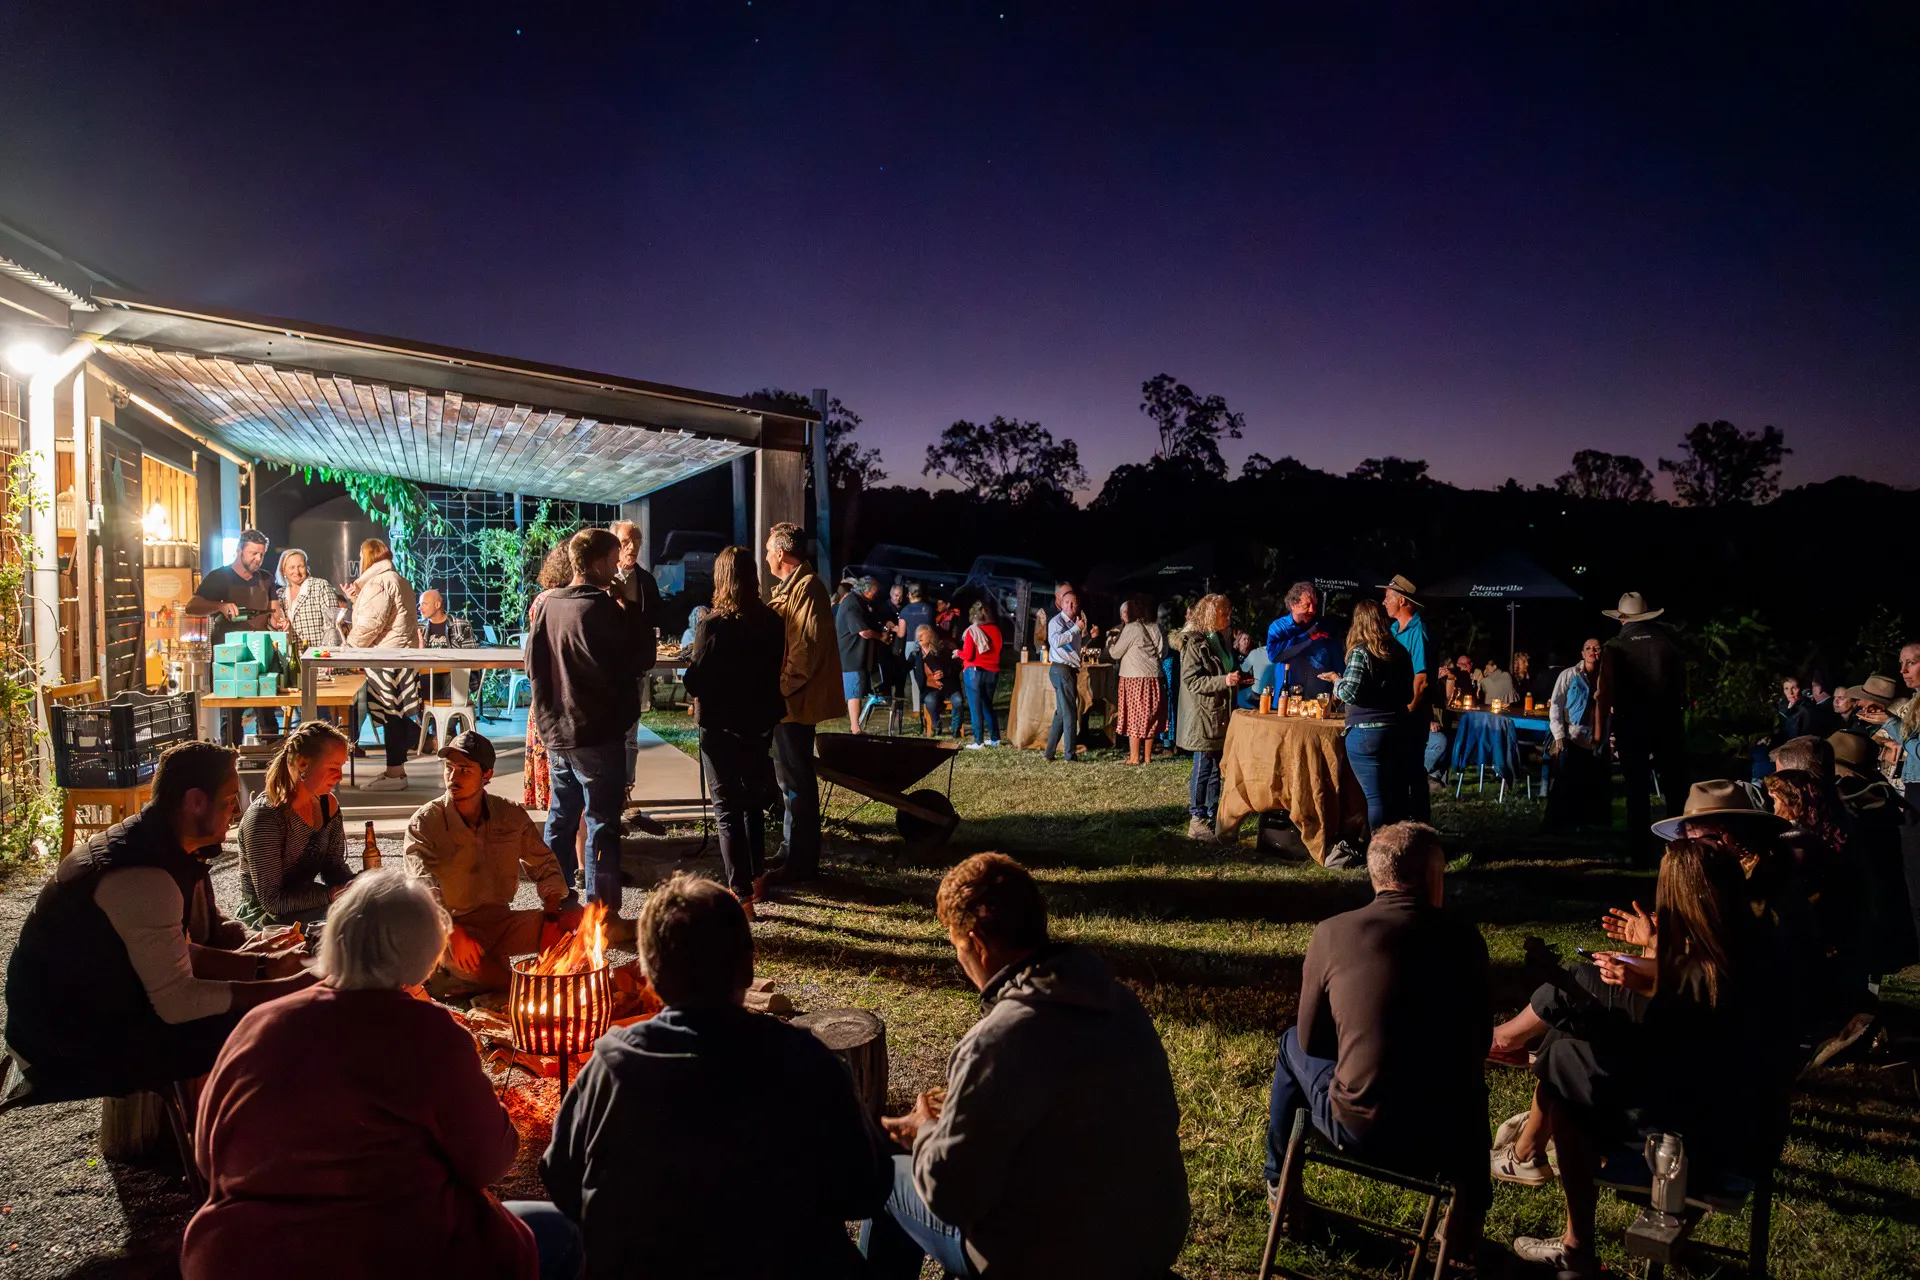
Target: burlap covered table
1292,763
1030,711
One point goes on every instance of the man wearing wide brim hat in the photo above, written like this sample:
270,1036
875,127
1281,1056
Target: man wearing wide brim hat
1721,803
1642,701
1410,629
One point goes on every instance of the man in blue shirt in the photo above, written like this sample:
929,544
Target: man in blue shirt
1410,629
1067,631
1299,644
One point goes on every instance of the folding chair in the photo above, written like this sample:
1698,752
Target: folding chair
1306,1145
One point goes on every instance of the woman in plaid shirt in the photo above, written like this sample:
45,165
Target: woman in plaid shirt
310,605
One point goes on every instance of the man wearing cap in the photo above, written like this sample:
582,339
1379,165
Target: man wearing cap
1642,694
472,845
1410,629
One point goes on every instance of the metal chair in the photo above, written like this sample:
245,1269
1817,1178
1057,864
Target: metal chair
1306,1145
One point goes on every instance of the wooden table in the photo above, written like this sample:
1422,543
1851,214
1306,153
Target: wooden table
435,659
1030,709
1297,764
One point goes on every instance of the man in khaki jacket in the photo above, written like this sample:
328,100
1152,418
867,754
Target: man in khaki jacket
472,846
810,680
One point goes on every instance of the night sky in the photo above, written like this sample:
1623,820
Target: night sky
1483,242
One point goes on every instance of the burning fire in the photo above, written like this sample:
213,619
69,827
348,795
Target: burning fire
582,951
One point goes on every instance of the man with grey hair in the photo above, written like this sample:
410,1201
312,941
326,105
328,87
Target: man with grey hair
861,634
1387,1059
810,682
706,1107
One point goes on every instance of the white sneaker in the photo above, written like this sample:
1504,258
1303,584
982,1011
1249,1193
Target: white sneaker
993,742
975,746
1509,1131
383,782
1555,1254
1507,1167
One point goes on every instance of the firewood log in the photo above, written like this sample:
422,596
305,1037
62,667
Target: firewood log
777,1003
135,1129
860,1038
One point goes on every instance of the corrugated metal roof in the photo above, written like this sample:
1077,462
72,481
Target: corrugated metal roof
284,391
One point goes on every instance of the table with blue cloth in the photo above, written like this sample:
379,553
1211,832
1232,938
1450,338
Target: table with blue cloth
1490,740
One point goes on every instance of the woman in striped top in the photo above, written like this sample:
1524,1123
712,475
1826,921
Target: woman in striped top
293,846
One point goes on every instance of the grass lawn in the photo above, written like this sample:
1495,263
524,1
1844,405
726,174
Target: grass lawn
1213,941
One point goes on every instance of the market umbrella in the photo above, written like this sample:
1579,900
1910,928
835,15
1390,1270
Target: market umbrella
1334,573
1510,576
1188,569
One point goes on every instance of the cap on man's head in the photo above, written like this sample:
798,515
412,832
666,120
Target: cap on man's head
473,747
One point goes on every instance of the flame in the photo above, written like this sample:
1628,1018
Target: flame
582,951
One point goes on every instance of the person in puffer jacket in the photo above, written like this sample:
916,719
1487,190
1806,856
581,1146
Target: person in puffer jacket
1054,1150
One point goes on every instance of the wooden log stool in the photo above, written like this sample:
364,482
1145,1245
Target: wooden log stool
146,1126
860,1040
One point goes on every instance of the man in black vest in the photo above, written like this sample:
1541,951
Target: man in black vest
126,976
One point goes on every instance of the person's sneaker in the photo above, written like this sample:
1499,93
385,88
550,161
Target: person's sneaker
993,742
641,821
1844,1039
1202,830
383,782
1507,1167
1569,1263
975,746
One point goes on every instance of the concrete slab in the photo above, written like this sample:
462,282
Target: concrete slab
667,781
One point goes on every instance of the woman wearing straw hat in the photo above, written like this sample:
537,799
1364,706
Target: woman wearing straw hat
1643,687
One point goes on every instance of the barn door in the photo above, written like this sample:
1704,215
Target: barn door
122,590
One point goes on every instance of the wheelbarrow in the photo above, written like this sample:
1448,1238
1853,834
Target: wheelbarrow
881,768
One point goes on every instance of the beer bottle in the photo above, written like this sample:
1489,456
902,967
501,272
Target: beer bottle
370,857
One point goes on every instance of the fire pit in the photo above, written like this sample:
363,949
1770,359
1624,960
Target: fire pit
561,1001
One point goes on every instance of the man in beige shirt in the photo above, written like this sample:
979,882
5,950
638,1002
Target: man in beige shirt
472,845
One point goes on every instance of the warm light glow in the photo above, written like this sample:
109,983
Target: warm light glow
583,950
158,524
26,356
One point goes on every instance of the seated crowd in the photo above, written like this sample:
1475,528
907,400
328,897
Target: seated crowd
1054,1146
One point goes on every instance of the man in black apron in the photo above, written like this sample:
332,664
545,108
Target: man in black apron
239,597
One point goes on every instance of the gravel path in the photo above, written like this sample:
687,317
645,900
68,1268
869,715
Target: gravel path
66,1211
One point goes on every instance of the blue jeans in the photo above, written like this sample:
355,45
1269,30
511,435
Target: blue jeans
793,768
937,701
588,782
556,1240
1203,790
1170,686
1299,1081
1066,707
980,682
1375,753
895,1245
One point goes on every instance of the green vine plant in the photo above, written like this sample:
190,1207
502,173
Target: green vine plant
27,805
510,558
398,503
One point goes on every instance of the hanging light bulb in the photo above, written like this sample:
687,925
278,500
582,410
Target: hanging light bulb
157,525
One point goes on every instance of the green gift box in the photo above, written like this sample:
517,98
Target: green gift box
270,685
228,652
223,685
259,647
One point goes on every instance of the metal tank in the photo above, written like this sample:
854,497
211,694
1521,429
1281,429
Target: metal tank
331,534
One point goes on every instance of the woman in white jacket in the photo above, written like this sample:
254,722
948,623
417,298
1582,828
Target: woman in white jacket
386,616
1143,705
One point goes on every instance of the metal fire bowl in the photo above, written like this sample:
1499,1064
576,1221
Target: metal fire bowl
557,1014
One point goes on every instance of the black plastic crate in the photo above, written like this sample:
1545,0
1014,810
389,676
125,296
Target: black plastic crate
118,743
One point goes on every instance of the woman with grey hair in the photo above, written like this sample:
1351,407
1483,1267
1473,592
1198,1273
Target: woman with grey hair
358,1115
310,604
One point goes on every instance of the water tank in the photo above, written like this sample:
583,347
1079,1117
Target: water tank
331,534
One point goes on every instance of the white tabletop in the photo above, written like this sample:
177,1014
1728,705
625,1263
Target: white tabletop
442,656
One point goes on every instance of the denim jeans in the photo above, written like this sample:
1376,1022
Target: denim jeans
937,701
897,1244
737,767
793,768
1066,707
1203,790
1375,752
587,784
1170,687
980,682
1298,1081
556,1240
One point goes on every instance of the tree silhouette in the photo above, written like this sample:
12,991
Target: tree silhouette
1008,459
1190,427
1607,477
1723,464
848,465
1392,470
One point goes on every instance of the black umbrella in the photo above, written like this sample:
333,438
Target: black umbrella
1510,576
1185,570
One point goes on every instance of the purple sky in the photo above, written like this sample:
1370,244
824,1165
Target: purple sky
1485,243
